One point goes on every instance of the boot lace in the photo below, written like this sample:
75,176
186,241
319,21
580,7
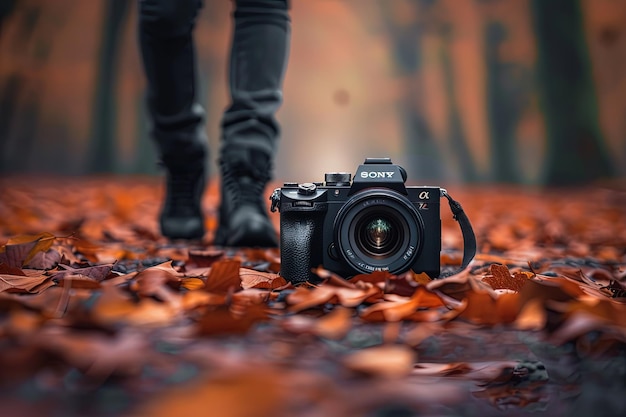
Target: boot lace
243,186
183,191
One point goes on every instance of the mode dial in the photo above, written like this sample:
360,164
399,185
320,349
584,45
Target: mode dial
307,188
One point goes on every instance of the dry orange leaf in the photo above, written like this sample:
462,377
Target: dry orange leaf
334,325
253,392
264,280
387,361
501,278
224,321
224,276
24,284
401,310
485,308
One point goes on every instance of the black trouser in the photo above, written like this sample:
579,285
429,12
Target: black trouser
257,64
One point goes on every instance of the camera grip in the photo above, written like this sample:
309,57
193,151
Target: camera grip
300,235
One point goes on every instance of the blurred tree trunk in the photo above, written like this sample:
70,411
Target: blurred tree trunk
6,8
102,156
10,91
423,155
508,93
576,150
21,91
458,143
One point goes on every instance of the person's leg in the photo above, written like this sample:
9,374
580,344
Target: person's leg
250,131
167,48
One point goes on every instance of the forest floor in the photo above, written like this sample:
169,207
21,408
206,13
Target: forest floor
101,316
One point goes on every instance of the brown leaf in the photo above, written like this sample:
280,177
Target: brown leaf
224,276
549,289
334,325
375,277
23,322
192,283
19,250
265,280
24,284
332,278
148,312
501,278
43,260
79,281
224,321
406,284
204,258
303,298
98,356
153,282
457,286
112,305
404,310
421,332
485,308
533,316
97,273
442,369
88,249
10,270
259,391
387,361
194,299
580,323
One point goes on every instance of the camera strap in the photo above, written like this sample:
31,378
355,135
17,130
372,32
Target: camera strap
469,238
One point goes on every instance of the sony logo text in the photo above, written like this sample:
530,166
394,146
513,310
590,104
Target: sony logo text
377,174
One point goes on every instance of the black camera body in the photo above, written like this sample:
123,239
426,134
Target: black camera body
351,226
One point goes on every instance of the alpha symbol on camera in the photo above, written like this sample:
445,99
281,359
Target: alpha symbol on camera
377,174
424,195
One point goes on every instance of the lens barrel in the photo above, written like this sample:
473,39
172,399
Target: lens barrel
378,229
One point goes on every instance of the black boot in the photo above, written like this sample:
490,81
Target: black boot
181,216
244,221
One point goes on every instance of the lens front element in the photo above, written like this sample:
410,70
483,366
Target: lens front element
378,234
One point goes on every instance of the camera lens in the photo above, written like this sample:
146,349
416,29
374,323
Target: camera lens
378,229
378,235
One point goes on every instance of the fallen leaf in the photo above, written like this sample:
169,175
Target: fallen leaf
24,284
203,258
386,361
224,276
334,325
501,278
404,310
442,369
485,308
224,321
98,272
255,279
34,244
10,270
260,391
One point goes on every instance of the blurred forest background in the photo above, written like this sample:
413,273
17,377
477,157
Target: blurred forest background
511,91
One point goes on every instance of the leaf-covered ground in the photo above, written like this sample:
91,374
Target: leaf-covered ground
100,316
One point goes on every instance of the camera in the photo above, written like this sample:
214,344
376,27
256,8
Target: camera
372,222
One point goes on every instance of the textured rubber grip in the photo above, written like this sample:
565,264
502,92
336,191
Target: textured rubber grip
300,238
